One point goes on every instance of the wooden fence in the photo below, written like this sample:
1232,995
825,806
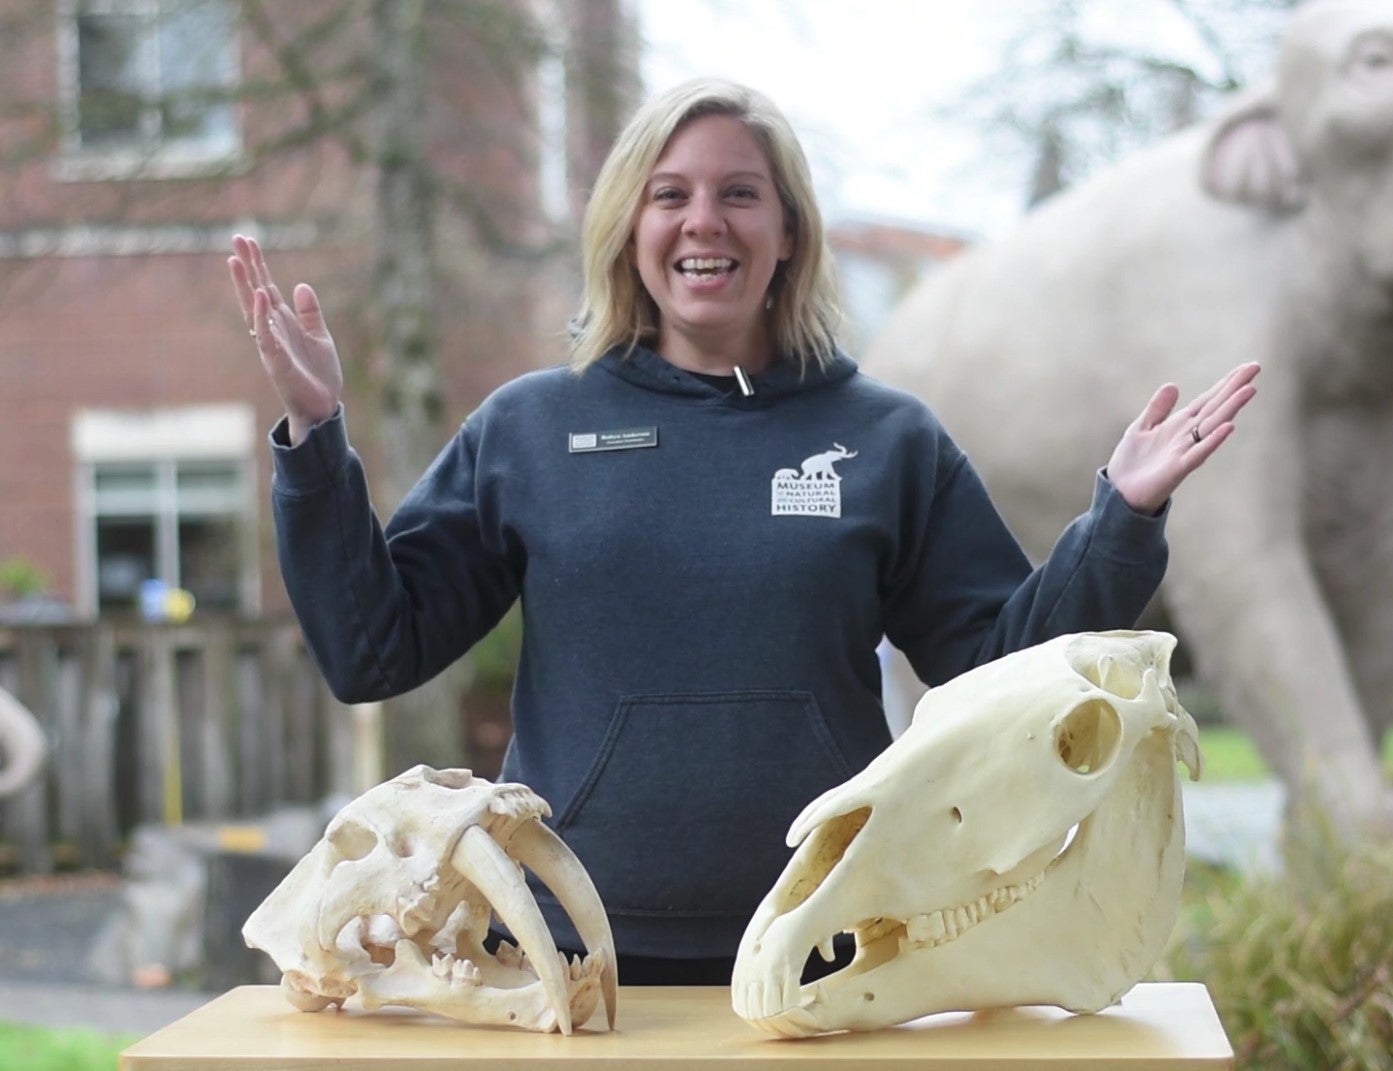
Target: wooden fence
216,721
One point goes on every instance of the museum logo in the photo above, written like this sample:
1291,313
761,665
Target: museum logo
813,489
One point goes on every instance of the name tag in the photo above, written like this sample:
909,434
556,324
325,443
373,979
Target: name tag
590,442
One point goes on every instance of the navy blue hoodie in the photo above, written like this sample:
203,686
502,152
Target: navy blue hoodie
704,580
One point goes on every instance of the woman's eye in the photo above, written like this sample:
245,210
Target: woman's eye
667,193
746,192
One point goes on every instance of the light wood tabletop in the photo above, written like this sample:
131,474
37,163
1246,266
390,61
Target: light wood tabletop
1158,1026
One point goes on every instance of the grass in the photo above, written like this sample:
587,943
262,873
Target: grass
33,1048
1229,755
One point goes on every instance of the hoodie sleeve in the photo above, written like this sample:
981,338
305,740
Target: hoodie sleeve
384,610
969,595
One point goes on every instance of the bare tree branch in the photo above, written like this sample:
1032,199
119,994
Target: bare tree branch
1073,104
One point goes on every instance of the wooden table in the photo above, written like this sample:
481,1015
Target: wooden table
1158,1026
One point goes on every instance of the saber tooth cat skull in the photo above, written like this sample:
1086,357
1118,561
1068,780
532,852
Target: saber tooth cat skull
394,904
1021,843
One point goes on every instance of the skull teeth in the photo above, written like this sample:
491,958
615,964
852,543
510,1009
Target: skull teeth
940,927
577,968
416,909
460,970
509,955
518,803
926,929
456,971
514,957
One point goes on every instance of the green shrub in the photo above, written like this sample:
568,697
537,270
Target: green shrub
1300,964
32,1048
495,657
20,578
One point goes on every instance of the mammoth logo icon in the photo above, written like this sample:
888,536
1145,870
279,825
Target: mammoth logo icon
814,489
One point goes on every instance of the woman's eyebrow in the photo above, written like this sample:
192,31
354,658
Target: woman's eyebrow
677,176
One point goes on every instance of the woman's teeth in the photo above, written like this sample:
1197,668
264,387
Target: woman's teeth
705,266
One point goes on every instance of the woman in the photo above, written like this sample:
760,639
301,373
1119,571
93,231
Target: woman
711,518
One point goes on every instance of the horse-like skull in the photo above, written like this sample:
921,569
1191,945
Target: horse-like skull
394,904
1021,843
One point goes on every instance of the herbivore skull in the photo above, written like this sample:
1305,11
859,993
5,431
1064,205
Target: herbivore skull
1021,843
394,904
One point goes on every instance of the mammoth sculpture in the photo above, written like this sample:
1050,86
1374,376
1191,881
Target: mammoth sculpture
951,859
394,903
1264,234
22,745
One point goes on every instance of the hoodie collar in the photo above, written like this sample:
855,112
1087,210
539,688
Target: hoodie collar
644,368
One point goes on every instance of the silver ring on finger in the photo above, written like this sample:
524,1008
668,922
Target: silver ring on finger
1195,433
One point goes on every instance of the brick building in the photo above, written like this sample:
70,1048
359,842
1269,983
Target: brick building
878,261
137,137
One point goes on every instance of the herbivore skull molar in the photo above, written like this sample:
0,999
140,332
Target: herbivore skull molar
1021,843
394,904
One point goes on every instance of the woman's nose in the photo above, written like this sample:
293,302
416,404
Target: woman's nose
703,215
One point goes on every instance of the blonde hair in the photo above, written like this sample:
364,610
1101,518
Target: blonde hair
616,309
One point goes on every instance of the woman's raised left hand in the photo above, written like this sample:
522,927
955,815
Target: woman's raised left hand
1165,444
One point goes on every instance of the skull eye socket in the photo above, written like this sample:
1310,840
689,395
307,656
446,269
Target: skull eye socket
1088,737
351,839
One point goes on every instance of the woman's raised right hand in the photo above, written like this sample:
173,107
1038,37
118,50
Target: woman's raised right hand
296,348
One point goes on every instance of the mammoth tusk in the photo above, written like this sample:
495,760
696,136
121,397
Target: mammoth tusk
547,856
479,858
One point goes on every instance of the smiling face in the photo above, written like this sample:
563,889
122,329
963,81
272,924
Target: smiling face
709,233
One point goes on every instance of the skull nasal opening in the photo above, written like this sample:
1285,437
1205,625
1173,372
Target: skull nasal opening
823,850
1088,737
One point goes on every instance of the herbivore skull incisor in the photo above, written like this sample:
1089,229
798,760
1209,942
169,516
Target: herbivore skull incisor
950,857
394,904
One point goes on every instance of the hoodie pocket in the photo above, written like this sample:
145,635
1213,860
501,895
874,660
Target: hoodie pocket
688,800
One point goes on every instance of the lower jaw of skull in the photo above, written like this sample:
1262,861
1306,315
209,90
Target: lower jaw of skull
478,989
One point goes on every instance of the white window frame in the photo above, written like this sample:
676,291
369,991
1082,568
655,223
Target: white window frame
153,157
165,439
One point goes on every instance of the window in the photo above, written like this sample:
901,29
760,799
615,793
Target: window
167,496
152,78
